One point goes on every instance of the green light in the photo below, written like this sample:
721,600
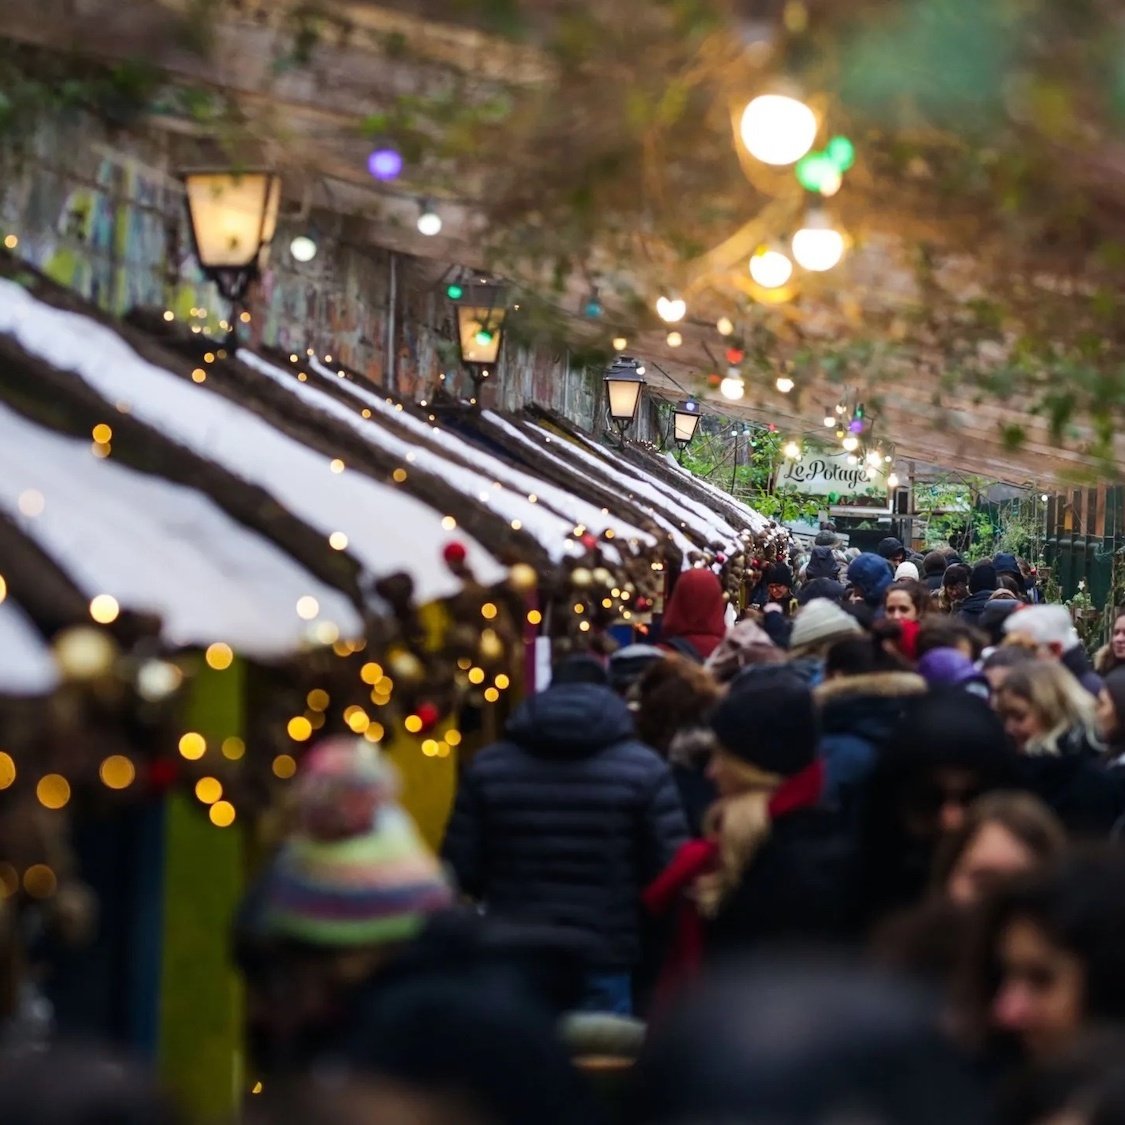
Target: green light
815,170
841,152
454,292
483,337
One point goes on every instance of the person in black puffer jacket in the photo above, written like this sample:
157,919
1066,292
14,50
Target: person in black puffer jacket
564,822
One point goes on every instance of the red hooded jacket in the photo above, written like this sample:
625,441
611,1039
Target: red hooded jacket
695,613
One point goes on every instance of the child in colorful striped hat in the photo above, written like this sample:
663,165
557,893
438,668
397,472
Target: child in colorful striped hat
356,872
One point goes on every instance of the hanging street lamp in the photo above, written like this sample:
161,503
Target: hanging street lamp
623,384
233,217
685,422
481,308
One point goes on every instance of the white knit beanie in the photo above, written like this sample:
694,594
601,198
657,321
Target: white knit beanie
821,620
906,570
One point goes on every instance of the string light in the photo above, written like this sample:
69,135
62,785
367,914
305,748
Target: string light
892,480
674,339
732,387
777,129
429,221
385,164
104,609
219,656
192,745
11,241
724,326
851,443
222,815
307,607
338,541
620,343
770,268
791,450
299,728
53,791
233,748
671,309
7,770
817,246
303,248
784,384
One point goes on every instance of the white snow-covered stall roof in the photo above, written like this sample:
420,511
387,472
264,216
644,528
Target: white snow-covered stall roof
387,530
753,519
160,547
702,520
558,457
544,511
26,666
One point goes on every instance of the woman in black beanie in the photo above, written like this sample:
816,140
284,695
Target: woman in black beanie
773,865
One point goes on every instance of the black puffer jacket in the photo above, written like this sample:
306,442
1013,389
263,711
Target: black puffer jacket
567,820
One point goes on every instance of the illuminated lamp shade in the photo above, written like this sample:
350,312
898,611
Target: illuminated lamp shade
233,219
623,384
671,309
732,387
770,268
818,246
777,129
302,248
686,422
480,322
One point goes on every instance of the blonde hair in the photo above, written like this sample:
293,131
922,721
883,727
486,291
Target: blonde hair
739,825
1056,696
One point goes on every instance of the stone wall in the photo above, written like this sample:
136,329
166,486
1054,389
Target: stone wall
105,217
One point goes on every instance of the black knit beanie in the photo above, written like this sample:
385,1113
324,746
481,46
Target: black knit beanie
769,721
982,578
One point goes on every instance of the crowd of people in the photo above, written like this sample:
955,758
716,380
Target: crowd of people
854,856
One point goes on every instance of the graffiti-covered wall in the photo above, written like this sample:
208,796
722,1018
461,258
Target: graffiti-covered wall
105,217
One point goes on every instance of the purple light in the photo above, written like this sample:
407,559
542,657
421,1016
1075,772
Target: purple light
385,164
856,425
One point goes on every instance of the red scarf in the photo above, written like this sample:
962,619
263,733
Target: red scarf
669,890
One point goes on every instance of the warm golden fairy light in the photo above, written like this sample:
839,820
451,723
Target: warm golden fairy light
299,728
488,611
453,737
338,541
7,769
412,723
233,748
117,772
39,881
208,790
534,617
318,699
31,502
222,814
102,433
476,675
219,656
336,465
448,522
193,745
53,791
307,607
502,681
104,609
398,476
491,695
284,766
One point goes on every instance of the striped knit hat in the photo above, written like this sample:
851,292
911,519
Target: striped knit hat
356,871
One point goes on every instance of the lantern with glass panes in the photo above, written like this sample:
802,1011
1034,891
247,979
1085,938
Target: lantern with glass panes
233,217
481,308
623,383
685,421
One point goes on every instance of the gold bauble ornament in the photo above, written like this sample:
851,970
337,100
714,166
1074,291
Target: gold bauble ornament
523,578
84,653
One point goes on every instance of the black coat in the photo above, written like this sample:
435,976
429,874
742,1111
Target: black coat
567,820
1085,793
973,606
800,887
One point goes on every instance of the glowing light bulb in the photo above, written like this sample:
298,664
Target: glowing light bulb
777,130
674,339
671,309
620,343
851,443
454,292
892,480
302,248
873,457
429,221
791,450
770,268
784,384
385,164
817,246
725,326
829,421
732,387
